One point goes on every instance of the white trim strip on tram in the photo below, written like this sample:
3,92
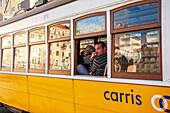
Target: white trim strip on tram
96,78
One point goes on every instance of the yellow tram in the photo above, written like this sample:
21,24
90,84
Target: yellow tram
40,48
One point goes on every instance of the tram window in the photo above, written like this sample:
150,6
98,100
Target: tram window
19,38
37,57
135,16
90,25
85,47
6,41
128,51
6,58
89,30
20,58
37,34
60,51
20,52
62,56
60,30
135,42
6,53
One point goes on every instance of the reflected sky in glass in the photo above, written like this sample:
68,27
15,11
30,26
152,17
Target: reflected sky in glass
134,16
90,25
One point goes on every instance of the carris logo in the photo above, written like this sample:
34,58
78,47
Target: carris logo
163,104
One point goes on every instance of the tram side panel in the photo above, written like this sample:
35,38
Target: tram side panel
14,91
104,97
51,95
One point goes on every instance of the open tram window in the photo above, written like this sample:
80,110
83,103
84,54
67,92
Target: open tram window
37,57
89,30
60,48
137,43
20,52
6,53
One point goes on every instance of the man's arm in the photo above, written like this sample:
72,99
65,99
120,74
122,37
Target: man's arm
94,65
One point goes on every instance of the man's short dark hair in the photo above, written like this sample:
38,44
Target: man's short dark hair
102,43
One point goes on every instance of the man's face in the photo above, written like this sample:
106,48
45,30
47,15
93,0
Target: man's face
99,49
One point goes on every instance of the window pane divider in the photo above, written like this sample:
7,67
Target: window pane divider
19,45
27,50
47,50
37,43
72,47
134,28
7,47
59,39
109,46
12,53
1,53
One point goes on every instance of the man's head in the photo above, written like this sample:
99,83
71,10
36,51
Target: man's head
100,48
89,50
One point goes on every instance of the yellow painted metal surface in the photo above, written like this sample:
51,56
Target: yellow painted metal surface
87,109
16,82
50,94
120,98
14,91
41,104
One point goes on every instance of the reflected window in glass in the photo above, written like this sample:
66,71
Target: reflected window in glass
20,57
20,38
37,35
37,57
60,58
6,41
6,58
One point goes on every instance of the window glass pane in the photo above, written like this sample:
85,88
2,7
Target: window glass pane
37,57
137,52
6,41
20,57
59,31
37,35
20,38
134,16
90,25
1,3
60,56
6,58
84,43
103,39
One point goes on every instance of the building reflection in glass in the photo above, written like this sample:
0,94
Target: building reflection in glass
20,38
20,57
137,52
37,35
60,55
6,58
59,31
38,57
6,41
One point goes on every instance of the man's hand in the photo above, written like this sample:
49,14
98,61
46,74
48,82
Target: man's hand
91,74
93,55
